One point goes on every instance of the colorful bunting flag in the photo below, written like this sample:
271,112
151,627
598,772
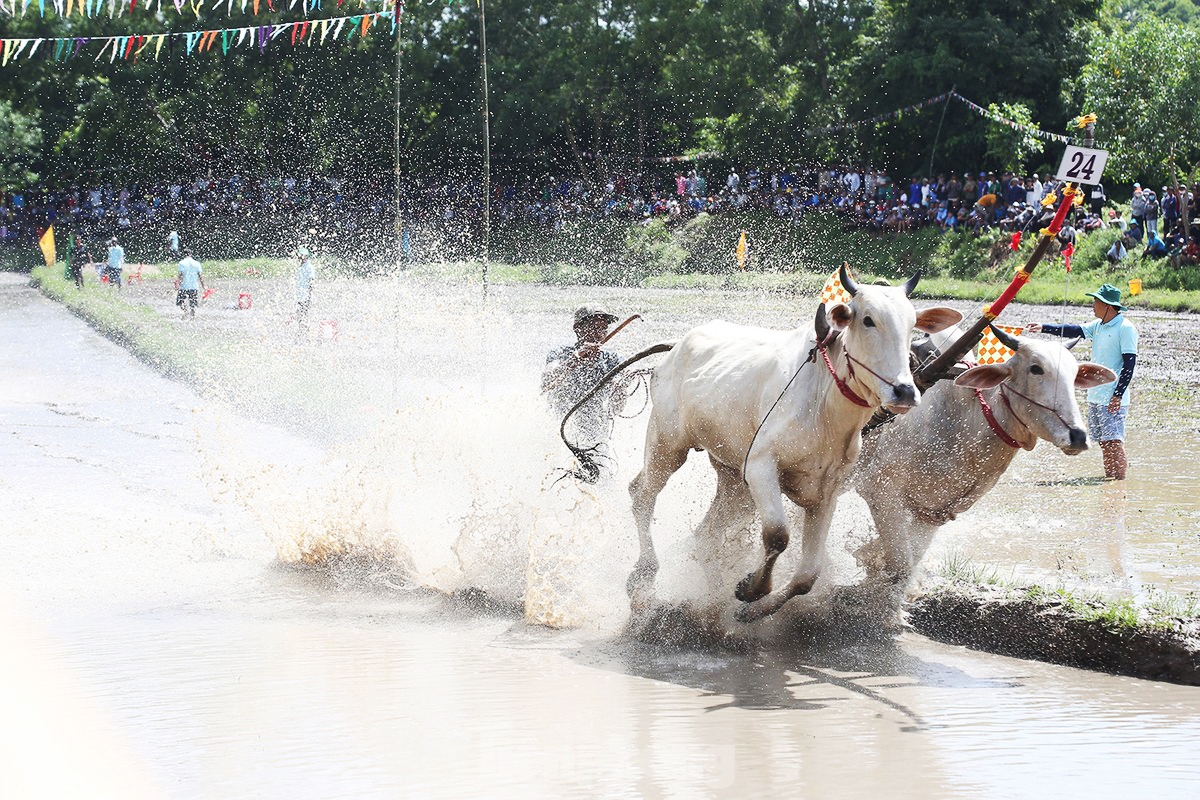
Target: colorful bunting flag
132,45
933,101
116,8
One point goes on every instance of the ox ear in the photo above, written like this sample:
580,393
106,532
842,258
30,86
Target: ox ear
1091,375
933,320
985,377
840,316
838,313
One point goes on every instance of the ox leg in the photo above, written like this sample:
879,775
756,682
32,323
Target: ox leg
816,528
763,480
662,461
730,509
920,536
893,548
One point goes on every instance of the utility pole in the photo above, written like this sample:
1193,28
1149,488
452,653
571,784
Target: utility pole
487,145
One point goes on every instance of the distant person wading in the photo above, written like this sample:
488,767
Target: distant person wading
188,284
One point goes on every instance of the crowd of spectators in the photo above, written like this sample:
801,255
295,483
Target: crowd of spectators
871,199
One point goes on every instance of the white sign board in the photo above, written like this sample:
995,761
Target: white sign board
1082,165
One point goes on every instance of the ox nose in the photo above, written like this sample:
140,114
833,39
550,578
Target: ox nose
904,394
1078,439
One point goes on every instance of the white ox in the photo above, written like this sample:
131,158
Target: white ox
922,470
747,397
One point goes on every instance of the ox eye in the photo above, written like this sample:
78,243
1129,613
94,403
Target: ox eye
867,321
1036,370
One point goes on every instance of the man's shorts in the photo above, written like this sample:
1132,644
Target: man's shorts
114,275
190,296
1104,425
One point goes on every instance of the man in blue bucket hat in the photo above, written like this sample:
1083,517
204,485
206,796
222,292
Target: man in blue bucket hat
1115,345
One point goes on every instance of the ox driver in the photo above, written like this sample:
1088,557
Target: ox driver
572,370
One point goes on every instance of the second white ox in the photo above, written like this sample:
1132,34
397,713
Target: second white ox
920,471
769,408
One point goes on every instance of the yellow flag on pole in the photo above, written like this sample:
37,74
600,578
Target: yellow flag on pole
990,351
46,242
833,291
741,251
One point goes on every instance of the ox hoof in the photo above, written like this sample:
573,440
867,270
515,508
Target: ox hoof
804,586
750,588
752,612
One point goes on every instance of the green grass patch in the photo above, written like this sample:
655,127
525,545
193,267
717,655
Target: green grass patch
1157,610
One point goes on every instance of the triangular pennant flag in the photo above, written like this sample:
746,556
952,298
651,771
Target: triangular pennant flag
1067,252
833,291
990,351
162,37
46,240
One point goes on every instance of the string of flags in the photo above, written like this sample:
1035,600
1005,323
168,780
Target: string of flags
126,47
118,8
942,98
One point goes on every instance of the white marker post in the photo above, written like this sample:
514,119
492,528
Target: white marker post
1082,165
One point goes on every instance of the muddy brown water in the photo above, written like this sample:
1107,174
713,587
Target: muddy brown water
161,640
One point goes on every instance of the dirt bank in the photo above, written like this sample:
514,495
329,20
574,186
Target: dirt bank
1048,630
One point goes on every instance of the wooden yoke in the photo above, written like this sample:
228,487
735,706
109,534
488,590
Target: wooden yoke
936,370
930,374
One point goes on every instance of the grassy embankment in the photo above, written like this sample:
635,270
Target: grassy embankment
699,254
273,380
798,259
1155,637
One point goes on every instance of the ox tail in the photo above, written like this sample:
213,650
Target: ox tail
589,466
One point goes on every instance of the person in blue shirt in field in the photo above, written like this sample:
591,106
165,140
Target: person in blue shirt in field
1114,345
115,263
188,284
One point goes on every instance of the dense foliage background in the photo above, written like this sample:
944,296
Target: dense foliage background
595,86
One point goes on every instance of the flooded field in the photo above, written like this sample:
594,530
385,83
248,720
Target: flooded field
166,635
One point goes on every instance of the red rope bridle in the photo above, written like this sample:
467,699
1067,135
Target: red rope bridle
843,385
990,416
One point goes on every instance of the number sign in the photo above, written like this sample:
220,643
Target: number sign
1082,165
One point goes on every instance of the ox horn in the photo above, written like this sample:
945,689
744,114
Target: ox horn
847,282
822,324
910,285
1006,339
1071,344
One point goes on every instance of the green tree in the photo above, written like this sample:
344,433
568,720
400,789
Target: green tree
1141,82
1025,51
20,141
1010,148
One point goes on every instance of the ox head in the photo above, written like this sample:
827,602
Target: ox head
876,328
1045,377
